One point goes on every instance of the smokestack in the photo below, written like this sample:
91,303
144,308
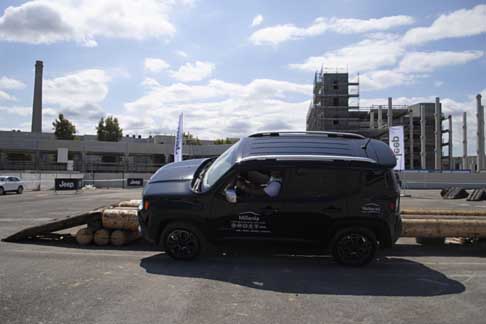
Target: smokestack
480,134
389,114
410,140
37,105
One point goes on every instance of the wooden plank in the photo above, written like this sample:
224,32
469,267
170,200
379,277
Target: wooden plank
458,212
444,228
56,225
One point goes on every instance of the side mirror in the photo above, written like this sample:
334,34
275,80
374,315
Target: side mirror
230,195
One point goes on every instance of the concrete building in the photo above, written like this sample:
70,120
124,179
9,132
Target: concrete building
335,107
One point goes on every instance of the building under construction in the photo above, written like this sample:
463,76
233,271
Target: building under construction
335,107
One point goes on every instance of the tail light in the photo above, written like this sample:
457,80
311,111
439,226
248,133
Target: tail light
392,205
146,204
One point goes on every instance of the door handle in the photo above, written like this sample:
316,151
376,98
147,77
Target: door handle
333,209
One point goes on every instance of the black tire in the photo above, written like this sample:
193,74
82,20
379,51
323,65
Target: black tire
354,246
430,241
2,191
20,189
182,241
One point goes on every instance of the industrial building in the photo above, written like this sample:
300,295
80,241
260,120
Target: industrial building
427,131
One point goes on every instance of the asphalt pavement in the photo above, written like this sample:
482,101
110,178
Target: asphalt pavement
59,282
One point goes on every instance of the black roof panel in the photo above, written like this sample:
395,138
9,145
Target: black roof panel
317,144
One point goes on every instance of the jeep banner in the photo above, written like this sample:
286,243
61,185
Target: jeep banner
134,182
67,184
397,146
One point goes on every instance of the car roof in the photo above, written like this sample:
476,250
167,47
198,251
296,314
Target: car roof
315,146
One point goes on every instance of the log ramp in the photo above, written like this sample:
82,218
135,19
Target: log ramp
118,225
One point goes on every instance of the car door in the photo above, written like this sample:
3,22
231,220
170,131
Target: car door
249,217
11,184
314,197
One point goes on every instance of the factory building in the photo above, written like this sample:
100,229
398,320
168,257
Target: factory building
335,107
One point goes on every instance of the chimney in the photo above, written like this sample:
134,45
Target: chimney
37,105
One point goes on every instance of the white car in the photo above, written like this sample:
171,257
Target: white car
13,184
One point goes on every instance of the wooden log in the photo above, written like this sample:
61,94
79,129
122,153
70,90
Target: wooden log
443,228
84,236
120,219
458,212
101,237
122,237
129,203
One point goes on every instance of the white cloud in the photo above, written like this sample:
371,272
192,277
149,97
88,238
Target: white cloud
414,66
420,62
77,89
460,23
193,71
16,110
221,109
84,21
257,21
6,97
11,84
280,33
182,54
365,55
155,65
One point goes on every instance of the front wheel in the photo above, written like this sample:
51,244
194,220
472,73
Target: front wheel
182,241
2,191
354,246
20,189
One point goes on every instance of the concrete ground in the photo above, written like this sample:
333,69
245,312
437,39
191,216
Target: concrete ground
60,282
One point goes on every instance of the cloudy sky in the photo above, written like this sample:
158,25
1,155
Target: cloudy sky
232,67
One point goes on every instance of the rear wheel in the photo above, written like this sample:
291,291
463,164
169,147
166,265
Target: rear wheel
182,241
2,191
354,246
20,189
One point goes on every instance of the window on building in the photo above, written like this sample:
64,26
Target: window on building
335,101
335,84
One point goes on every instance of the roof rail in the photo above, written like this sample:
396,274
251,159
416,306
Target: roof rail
328,134
306,157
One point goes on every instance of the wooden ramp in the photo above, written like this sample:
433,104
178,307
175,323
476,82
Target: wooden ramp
40,231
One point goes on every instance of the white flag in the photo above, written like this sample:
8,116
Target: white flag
397,146
178,142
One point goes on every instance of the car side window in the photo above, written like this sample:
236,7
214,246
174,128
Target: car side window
375,180
261,184
318,183
11,179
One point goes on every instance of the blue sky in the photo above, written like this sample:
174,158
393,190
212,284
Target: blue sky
232,67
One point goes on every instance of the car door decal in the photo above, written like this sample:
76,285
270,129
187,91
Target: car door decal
250,222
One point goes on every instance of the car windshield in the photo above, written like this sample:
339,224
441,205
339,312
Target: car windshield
220,166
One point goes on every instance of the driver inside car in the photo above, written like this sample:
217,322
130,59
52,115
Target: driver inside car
260,184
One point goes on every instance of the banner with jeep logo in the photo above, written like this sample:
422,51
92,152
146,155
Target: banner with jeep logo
397,146
67,184
135,182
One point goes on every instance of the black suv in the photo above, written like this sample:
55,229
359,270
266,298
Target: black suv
334,189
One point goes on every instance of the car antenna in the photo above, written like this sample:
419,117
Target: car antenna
365,145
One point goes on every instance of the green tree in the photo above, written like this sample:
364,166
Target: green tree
63,128
109,130
226,140
191,139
